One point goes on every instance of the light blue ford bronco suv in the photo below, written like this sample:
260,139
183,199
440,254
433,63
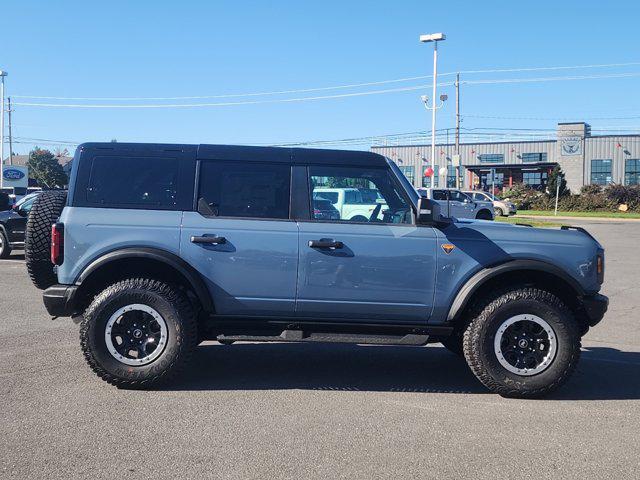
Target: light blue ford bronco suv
157,248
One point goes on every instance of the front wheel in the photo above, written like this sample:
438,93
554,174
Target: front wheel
138,333
498,211
522,343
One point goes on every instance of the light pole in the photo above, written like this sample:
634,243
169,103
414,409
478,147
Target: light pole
2,75
435,38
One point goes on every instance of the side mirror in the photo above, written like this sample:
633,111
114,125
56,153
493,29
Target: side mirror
21,212
429,212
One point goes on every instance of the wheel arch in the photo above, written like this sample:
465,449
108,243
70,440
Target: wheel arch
534,272
126,262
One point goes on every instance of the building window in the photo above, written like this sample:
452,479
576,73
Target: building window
601,172
409,172
487,181
491,158
451,176
632,171
534,179
426,181
534,157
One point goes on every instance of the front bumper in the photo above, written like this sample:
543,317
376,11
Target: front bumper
59,300
595,306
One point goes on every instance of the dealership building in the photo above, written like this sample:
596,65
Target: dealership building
584,158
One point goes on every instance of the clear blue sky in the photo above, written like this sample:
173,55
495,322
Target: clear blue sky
157,48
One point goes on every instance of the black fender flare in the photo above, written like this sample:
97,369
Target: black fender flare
170,259
480,278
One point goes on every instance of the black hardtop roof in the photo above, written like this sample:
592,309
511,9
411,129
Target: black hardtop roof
245,153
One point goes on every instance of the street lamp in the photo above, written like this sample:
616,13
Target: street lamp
435,38
2,75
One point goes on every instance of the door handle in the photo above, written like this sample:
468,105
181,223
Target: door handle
325,243
213,240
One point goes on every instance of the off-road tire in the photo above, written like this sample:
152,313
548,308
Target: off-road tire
498,211
487,316
176,310
359,218
45,211
5,248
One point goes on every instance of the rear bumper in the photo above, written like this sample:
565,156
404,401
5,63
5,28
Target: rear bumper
59,300
595,306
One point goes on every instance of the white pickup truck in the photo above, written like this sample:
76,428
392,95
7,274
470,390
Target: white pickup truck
354,204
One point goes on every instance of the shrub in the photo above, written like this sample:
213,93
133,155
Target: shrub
591,189
623,194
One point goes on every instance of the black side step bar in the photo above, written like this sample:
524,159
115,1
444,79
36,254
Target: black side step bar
302,336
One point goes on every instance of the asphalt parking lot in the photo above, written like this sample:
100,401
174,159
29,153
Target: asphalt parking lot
318,411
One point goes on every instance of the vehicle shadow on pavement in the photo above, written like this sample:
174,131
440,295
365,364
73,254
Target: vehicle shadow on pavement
340,367
603,373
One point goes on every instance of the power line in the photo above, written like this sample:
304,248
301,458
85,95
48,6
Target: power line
335,87
324,97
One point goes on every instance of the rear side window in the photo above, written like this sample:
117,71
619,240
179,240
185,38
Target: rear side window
243,189
137,182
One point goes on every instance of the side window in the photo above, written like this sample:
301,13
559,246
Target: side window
439,195
379,199
143,182
457,196
352,197
243,189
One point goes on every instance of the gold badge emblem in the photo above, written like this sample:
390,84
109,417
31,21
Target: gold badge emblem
448,248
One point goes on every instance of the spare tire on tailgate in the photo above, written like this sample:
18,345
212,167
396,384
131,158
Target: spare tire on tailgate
37,242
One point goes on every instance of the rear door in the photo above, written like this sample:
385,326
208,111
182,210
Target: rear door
240,236
382,268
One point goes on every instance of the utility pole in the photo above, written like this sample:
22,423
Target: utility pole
10,139
458,167
2,75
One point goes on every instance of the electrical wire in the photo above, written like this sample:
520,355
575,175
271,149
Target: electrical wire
335,87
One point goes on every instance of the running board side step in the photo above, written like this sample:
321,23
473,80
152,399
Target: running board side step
302,336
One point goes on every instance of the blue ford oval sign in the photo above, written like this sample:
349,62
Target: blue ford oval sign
13,174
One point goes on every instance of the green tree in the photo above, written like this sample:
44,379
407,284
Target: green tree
557,175
45,169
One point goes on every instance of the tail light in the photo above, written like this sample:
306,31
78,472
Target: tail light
600,267
57,243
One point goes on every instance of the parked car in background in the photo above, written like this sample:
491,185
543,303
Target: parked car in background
457,204
13,224
500,207
323,209
355,204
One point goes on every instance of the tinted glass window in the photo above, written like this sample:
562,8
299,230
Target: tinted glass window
239,189
632,171
136,181
352,197
387,202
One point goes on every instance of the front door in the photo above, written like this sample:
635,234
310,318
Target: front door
241,238
381,268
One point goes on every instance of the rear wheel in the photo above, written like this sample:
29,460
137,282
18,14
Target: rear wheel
522,343
37,241
5,248
138,333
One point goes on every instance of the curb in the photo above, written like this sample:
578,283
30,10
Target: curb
587,219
